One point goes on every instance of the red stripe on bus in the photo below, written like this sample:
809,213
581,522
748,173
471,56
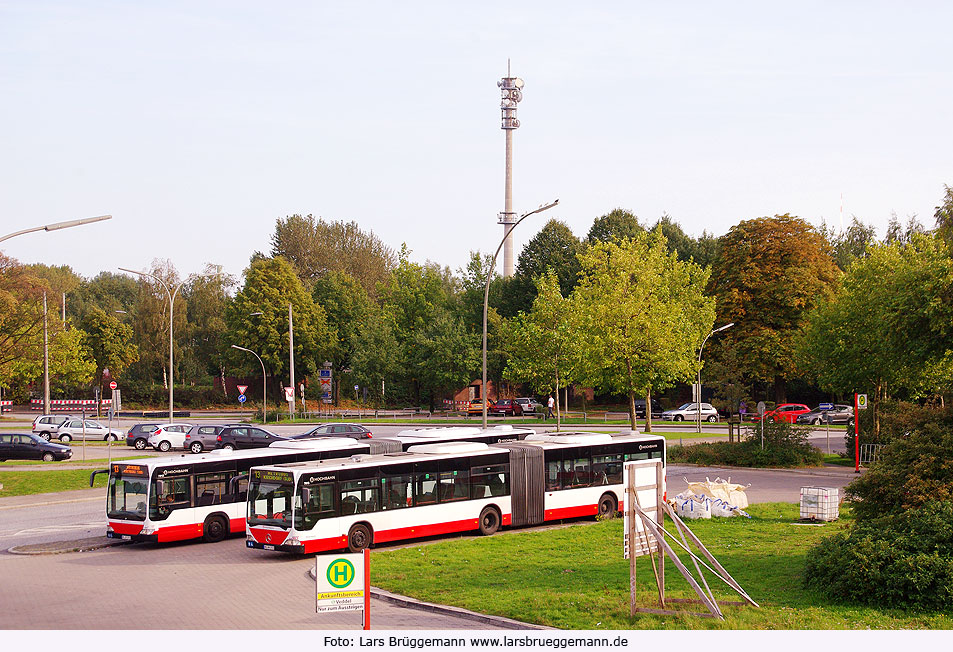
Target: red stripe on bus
236,525
321,545
428,530
179,532
271,537
126,528
571,512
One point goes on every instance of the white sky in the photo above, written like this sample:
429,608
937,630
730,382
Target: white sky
197,124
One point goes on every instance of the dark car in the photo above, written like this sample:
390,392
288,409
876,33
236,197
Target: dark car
232,437
138,435
839,414
203,438
640,408
31,447
353,430
507,407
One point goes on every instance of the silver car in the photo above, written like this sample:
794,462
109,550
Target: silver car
689,411
75,429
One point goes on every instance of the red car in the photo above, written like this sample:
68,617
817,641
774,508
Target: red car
785,412
507,407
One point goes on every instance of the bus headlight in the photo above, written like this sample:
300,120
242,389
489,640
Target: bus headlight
147,530
292,541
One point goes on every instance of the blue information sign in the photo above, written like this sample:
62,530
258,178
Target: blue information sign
241,398
825,406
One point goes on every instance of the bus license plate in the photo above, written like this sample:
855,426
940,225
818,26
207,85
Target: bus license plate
126,537
268,547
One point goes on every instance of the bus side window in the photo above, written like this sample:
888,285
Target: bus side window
553,472
395,491
425,489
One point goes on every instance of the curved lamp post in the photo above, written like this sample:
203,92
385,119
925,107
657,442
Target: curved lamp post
698,404
486,295
56,226
264,383
171,294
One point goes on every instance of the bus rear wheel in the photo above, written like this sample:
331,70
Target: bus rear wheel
215,529
489,521
607,506
358,538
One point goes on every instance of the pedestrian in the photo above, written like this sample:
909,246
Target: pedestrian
549,407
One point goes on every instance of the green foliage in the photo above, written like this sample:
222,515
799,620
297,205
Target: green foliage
785,446
703,250
771,272
902,559
346,304
554,249
617,225
643,315
377,358
912,470
109,341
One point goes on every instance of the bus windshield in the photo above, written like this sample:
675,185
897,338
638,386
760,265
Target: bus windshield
269,502
127,495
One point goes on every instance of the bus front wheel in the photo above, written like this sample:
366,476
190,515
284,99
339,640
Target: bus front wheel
489,521
358,538
215,529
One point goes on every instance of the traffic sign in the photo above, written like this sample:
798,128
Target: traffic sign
113,385
340,582
241,388
825,406
861,401
761,407
289,393
241,398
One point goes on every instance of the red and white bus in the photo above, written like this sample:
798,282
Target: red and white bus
439,488
203,496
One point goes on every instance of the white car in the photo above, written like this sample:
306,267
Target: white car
689,411
46,425
171,435
73,429
529,405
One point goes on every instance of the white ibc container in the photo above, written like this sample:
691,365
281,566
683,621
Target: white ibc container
820,503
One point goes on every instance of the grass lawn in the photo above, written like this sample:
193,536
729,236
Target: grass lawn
23,483
575,577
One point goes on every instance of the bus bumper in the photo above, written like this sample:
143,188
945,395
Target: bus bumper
296,549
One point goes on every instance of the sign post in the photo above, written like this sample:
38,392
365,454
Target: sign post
343,583
827,419
860,403
761,407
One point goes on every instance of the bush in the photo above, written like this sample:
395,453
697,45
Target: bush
785,446
911,471
897,418
898,560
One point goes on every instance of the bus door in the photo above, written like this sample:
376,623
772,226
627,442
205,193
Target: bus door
526,483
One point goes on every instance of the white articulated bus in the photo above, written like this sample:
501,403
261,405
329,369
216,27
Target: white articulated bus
439,488
203,496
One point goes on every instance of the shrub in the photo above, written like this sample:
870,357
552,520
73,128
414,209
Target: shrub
911,471
901,560
785,446
897,418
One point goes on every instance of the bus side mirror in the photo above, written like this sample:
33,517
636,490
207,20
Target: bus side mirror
306,495
160,487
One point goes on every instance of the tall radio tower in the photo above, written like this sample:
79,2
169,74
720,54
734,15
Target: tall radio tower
511,88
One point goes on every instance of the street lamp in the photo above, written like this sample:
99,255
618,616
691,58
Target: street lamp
698,403
171,294
291,357
56,226
486,294
264,383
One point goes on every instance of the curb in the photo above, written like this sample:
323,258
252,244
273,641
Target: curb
60,547
446,610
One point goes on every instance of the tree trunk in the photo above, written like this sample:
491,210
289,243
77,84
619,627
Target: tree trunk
632,409
648,409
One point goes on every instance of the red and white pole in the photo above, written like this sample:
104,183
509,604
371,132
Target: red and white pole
856,435
367,589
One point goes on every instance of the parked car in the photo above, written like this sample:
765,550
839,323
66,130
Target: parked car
31,447
233,437
353,430
689,411
203,438
507,407
788,412
476,407
47,424
172,435
74,429
640,408
138,435
530,405
840,414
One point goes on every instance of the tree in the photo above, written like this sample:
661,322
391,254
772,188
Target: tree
850,244
703,250
315,248
21,313
615,225
206,350
771,272
377,359
444,355
110,342
545,345
887,325
271,285
645,315
346,306
944,215
553,248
